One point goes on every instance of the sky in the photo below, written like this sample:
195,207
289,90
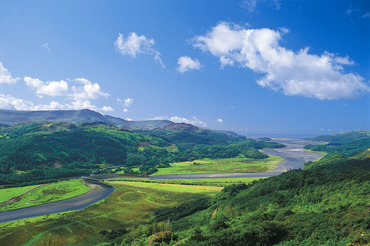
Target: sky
257,67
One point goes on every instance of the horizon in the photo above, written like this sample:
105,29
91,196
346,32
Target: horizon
255,67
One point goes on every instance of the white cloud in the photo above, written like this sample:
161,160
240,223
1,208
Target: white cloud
10,102
220,120
193,120
186,63
127,102
225,62
77,96
52,88
46,46
134,44
6,76
85,89
128,119
295,73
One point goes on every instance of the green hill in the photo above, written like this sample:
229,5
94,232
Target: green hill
348,144
44,151
325,204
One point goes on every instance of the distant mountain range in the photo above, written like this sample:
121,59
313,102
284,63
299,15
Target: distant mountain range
14,117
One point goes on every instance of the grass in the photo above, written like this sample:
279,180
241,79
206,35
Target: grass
48,193
211,190
217,182
228,165
6,194
130,205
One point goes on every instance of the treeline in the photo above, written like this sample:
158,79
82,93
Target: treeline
320,206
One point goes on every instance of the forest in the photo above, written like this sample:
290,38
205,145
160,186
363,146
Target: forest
44,152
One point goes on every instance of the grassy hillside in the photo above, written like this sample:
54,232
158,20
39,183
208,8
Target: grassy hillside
301,207
325,204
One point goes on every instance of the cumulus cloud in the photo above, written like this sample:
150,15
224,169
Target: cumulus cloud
85,89
295,73
10,102
185,63
6,76
77,93
193,120
134,44
52,88
220,120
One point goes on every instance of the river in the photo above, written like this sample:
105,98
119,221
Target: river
98,192
293,153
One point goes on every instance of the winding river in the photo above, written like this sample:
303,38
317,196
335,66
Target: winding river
98,192
293,154
294,158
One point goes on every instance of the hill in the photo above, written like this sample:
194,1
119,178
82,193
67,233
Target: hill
325,204
348,143
45,151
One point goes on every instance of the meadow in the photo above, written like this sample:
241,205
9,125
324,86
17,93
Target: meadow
226,165
45,194
6,194
132,204
217,182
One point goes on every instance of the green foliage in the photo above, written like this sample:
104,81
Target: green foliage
44,152
319,206
348,144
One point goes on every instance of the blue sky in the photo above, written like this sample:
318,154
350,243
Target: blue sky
257,67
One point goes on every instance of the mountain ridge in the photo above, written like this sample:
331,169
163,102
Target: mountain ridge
14,117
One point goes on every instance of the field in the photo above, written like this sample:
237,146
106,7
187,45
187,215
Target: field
6,194
228,165
217,182
131,204
46,194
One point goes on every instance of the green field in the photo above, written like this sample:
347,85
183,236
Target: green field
130,205
218,182
228,165
47,193
6,194
211,190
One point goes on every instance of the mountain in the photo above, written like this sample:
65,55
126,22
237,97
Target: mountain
14,117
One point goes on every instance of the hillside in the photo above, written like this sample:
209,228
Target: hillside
45,151
326,204
348,144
